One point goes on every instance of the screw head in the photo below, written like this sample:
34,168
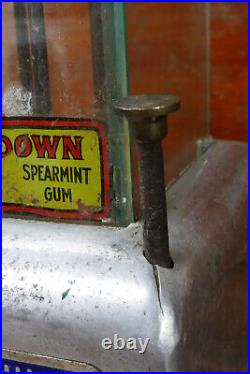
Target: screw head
147,106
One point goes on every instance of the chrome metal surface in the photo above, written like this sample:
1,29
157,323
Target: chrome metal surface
66,287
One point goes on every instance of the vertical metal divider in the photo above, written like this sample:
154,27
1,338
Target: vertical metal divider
97,47
23,45
42,102
32,54
111,78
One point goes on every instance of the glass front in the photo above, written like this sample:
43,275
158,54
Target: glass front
65,154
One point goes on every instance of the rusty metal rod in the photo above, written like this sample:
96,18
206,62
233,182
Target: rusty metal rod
153,203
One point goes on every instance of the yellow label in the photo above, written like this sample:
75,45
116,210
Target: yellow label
54,171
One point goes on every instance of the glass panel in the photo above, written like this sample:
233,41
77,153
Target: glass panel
63,65
49,47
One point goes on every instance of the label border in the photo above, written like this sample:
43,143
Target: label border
49,362
75,123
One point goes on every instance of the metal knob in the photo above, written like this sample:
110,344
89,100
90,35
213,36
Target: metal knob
147,117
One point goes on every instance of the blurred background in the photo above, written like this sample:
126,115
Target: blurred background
199,52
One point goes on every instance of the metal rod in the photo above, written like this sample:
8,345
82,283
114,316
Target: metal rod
23,45
153,203
97,50
147,117
41,89
32,54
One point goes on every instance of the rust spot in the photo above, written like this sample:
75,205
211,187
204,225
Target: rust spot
86,209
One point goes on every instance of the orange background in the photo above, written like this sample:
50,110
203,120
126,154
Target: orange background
229,73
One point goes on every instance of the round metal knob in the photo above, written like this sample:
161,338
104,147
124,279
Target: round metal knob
147,105
147,115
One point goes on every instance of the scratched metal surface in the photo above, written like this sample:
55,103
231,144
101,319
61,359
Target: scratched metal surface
65,287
